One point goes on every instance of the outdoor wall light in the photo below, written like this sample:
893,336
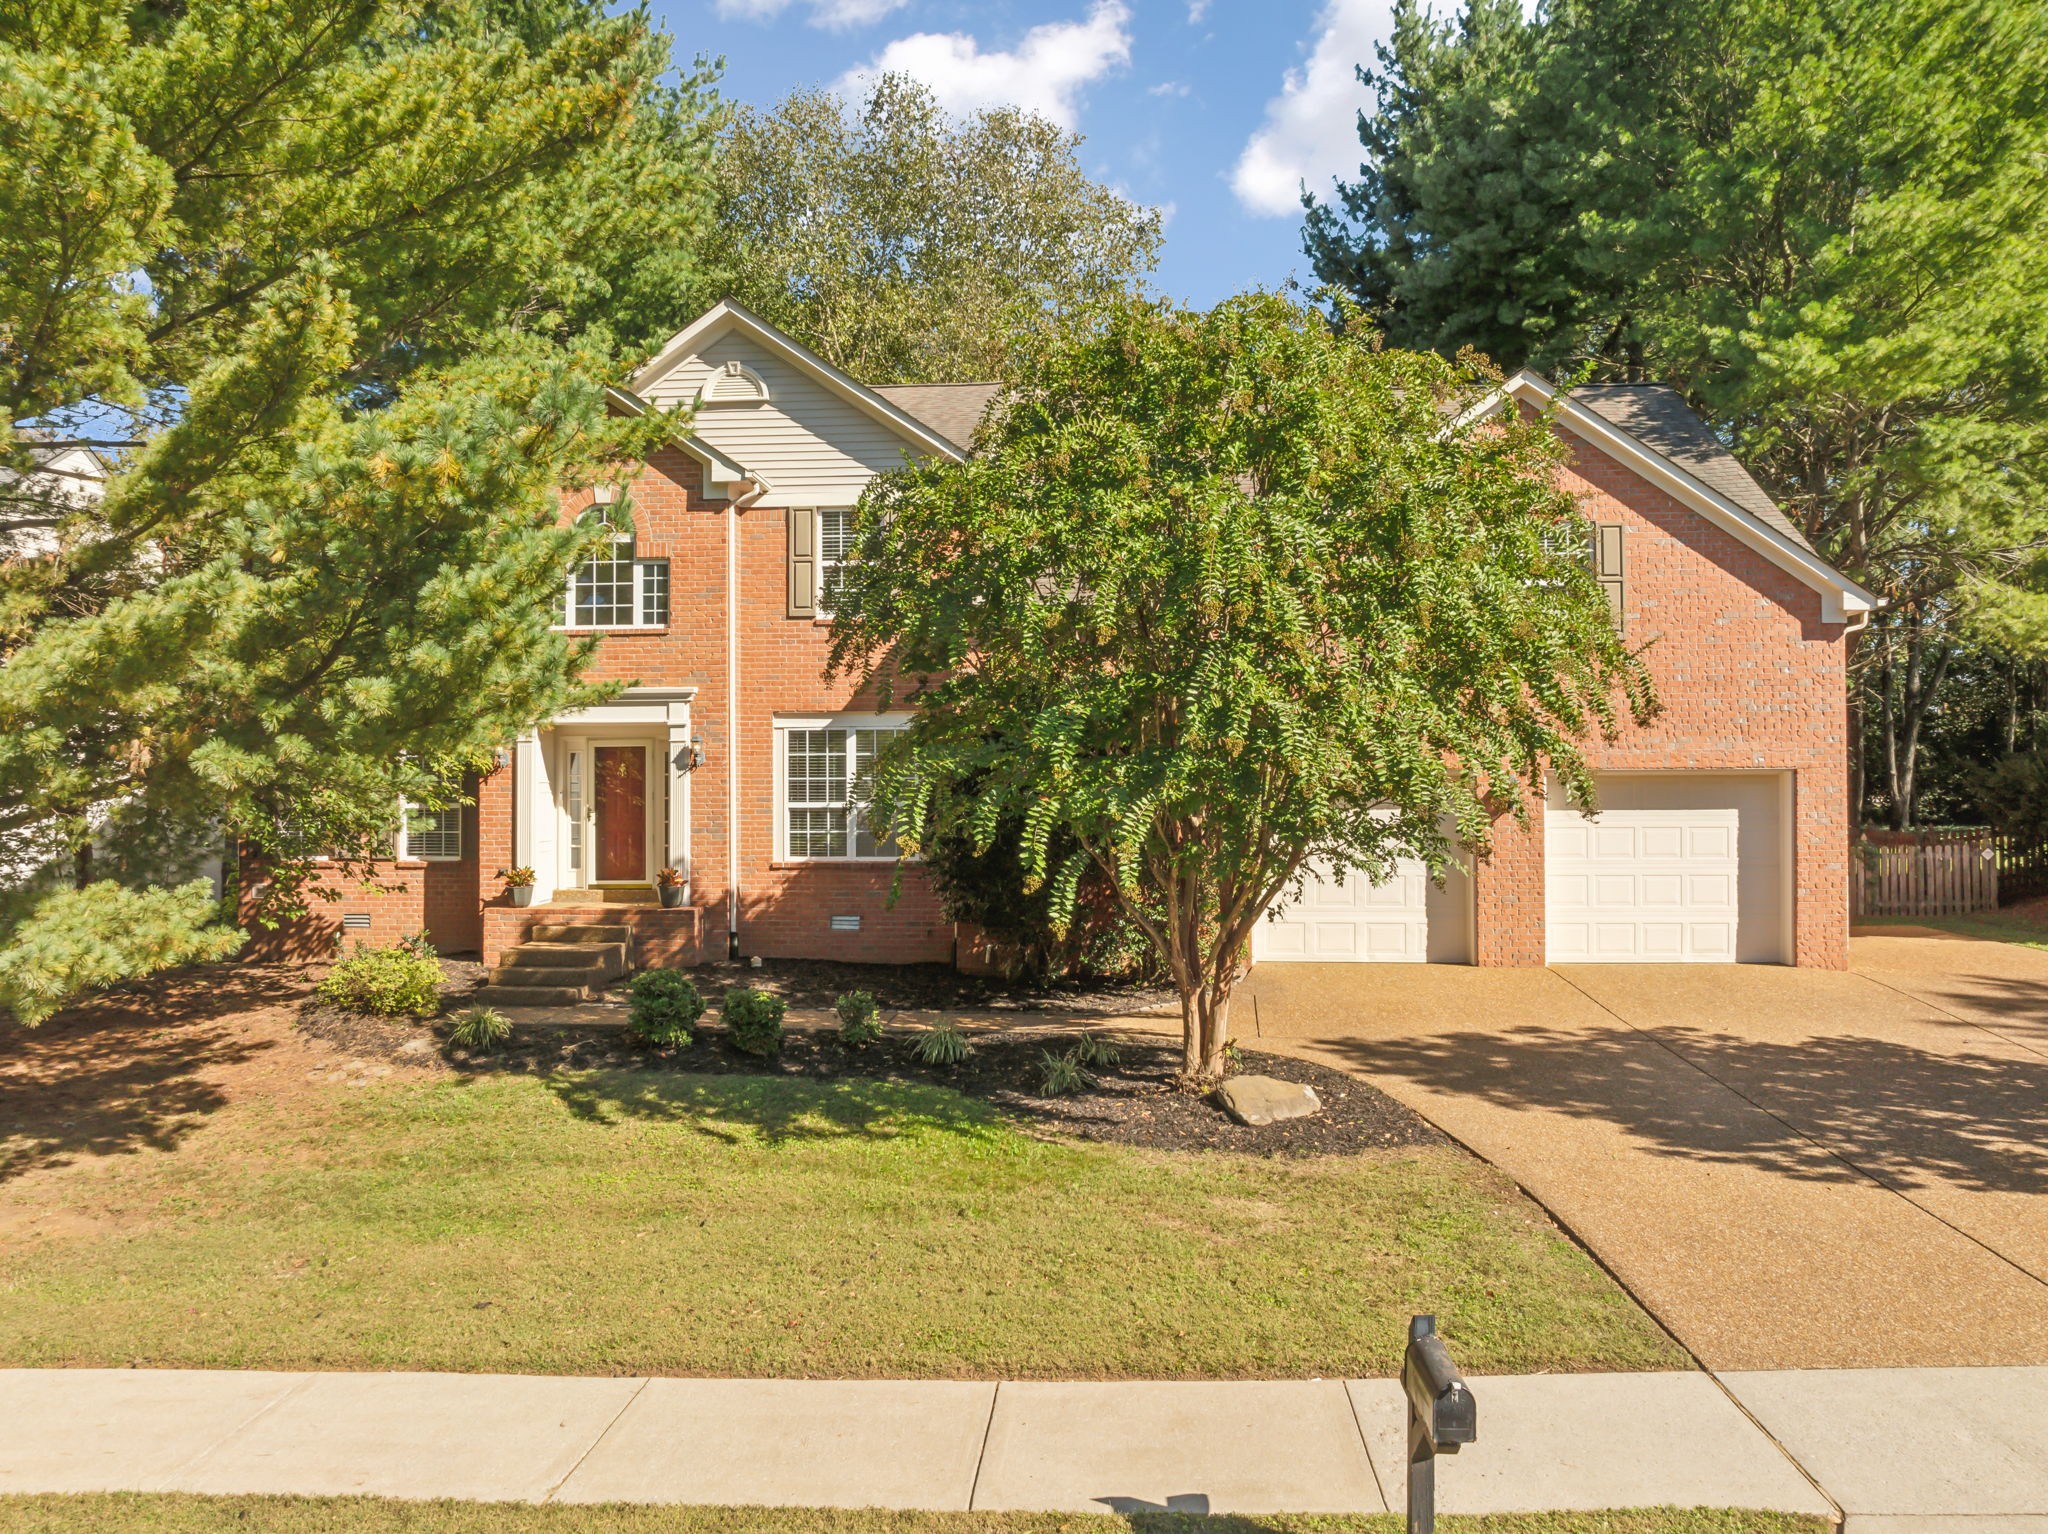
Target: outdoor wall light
689,756
501,757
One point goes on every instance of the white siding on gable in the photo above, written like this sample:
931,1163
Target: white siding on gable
812,445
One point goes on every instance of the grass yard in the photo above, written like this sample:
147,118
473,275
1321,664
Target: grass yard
2025,923
164,1514
640,1222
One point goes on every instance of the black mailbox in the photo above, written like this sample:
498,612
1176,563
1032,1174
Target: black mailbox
1437,1393
1441,1416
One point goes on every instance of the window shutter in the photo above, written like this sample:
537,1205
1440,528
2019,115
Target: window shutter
803,562
1607,564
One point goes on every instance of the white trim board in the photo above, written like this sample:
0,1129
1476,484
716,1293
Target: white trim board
727,315
1842,600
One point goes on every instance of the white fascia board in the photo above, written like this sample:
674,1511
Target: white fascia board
726,315
1842,600
719,469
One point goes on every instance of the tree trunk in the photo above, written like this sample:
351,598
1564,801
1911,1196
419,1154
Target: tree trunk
1205,1030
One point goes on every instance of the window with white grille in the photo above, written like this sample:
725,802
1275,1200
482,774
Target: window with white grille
434,836
835,546
619,591
824,784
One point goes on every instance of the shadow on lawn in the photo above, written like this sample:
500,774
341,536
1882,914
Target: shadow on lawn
773,1110
128,1071
1910,1117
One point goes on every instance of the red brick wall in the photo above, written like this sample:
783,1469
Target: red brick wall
1752,680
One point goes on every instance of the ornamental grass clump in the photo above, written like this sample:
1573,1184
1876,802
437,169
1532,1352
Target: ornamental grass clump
386,982
943,1045
859,1021
665,1008
753,1021
1062,1075
1096,1052
481,1030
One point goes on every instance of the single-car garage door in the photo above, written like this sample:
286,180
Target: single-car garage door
1406,920
1677,868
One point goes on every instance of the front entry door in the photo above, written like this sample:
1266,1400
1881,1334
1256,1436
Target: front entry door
621,804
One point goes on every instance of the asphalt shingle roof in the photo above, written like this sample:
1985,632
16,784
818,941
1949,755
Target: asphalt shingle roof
952,410
1660,419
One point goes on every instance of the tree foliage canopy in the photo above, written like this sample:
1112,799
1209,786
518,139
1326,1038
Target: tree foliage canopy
350,275
1219,594
905,247
1823,222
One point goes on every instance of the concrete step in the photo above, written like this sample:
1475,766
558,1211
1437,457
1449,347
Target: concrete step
608,957
580,932
495,994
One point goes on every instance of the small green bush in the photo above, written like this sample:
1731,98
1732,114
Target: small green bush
388,982
665,1008
1096,1052
753,1019
943,1045
859,1024
1061,1075
480,1029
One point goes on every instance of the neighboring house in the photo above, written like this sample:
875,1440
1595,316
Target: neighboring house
61,480
1724,825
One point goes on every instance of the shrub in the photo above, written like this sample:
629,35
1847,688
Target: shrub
389,982
1061,1075
481,1029
858,1024
665,1008
943,1045
419,943
1093,1050
753,1019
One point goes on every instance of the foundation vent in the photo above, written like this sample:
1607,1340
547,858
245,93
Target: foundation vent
846,924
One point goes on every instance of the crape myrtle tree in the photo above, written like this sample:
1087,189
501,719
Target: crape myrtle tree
337,283
1822,220
1219,594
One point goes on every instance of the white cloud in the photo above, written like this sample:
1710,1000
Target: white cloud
1046,72
1311,128
1169,88
1197,9
836,15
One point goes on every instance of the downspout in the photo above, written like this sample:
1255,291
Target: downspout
752,492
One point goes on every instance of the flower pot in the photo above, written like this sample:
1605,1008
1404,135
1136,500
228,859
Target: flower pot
671,895
522,894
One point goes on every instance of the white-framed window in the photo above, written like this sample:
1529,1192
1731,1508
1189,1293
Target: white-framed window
433,836
822,769
835,545
619,591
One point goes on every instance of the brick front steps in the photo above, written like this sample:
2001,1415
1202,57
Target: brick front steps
655,936
559,965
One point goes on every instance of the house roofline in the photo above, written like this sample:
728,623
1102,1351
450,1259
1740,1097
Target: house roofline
725,312
720,468
1842,600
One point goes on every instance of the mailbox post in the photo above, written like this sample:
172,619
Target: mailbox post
1442,1416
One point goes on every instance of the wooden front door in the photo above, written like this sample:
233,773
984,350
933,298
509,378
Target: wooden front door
621,806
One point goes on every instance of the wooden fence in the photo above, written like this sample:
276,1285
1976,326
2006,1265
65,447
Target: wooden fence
1929,873
2022,868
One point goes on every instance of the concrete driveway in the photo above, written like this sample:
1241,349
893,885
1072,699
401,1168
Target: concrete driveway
1790,1168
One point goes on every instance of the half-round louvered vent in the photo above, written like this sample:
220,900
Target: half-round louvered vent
733,384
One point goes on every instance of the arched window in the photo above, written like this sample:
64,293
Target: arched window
617,589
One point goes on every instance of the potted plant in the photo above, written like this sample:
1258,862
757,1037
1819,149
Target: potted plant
668,884
518,884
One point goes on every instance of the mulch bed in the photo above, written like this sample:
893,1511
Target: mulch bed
1134,1102
930,988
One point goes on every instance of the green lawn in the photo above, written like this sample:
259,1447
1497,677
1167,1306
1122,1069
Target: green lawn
651,1223
2017,924
159,1514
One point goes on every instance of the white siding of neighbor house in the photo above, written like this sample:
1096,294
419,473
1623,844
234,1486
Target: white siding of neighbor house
812,446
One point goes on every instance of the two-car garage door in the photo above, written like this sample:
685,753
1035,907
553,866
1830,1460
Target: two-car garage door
1676,868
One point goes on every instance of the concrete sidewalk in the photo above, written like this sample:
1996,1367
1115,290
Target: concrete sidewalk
1890,1444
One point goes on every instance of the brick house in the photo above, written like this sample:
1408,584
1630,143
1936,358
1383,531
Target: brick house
1723,831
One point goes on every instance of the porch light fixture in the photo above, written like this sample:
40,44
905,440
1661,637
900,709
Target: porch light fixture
501,757
689,756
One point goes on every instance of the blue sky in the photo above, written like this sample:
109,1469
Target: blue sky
1213,112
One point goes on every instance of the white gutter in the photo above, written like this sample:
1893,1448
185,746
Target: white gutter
754,490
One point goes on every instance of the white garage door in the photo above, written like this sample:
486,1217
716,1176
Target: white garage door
1350,922
1642,886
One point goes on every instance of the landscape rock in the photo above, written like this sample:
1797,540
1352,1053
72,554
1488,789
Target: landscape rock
1261,1100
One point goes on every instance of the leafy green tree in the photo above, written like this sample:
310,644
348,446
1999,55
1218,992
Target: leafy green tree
905,247
344,279
1821,221
1219,594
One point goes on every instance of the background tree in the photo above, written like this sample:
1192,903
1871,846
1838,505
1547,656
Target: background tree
1218,594
1823,222
348,276
902,245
